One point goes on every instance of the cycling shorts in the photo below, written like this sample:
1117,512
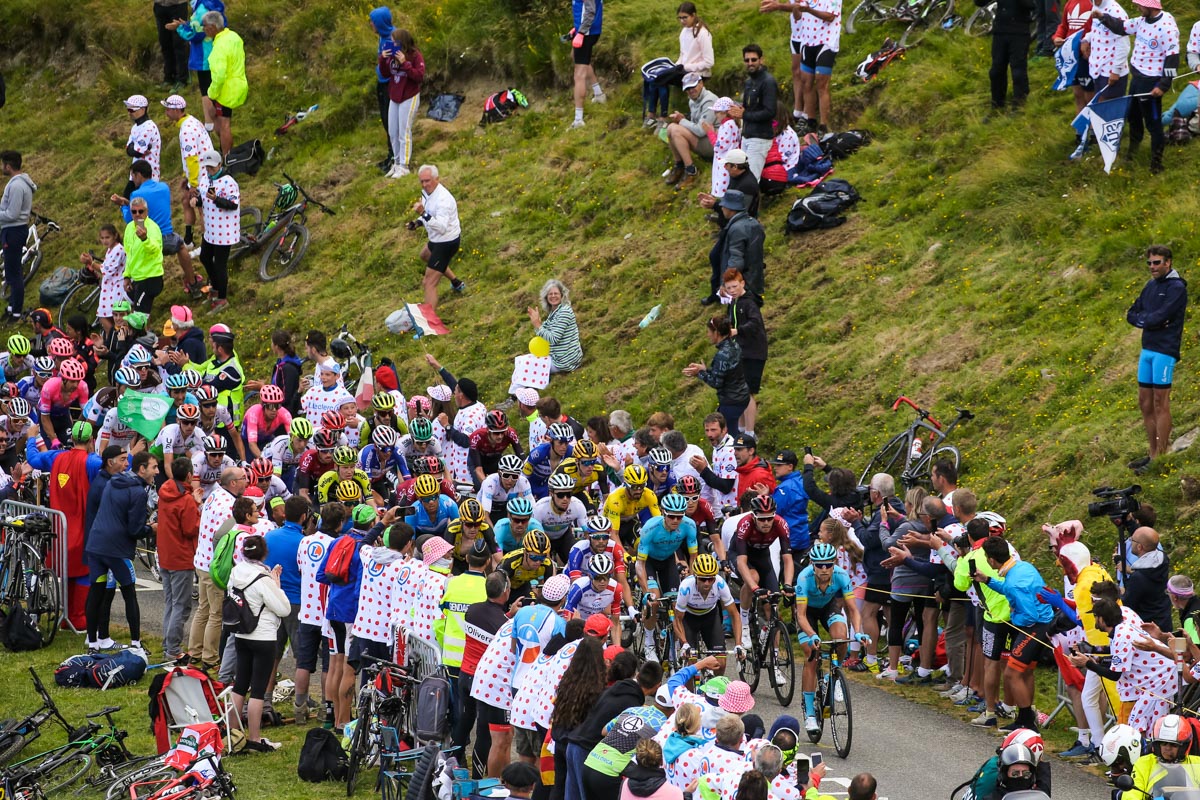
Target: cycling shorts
440,255
583,55
818,59
495,718
663,572
824,617
1155,370
338,644
996,636
759,560
366,647
1028,644
100,567
707,628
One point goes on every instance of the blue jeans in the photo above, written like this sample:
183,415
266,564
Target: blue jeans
653,96
1185,104
576,755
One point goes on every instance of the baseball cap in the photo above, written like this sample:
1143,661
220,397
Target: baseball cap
330,366
276,502
786,457
612,651
597,625
174,101
737,156
42,317
714,687
691,79
526,396
663,697
137,101
745,440
210,158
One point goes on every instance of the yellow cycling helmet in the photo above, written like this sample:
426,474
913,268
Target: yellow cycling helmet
344,456
471,511
427,486
348,492
635,475
585,449
384,401
705,566
536,543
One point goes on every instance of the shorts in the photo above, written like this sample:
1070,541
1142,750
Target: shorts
221,111
440,254
1155,370
527,742
817,58
583,55
369,647
797,47
759,560
707,628
307,646
878,593
1028,644
338,646
495,718
172,243
1084,80
664,572
752,368
996,636
824,617
121,569
204,79
289,626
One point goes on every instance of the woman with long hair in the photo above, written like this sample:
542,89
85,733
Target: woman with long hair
404,67
909,587
581,684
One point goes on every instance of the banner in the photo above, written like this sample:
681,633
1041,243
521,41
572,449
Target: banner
144,413
1066,61
1106,120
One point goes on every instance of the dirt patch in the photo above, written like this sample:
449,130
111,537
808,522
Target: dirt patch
949,355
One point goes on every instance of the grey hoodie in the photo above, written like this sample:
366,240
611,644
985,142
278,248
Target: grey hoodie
17,201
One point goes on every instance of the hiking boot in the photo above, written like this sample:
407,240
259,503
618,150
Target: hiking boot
674,176
687,180
300,712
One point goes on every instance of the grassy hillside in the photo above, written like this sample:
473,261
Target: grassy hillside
982,270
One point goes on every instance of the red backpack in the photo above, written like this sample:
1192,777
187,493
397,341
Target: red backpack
341,556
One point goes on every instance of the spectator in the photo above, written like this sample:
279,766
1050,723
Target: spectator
645,778
381,23
782,158
189,340
909,586
843,486
222,227
1184,600
1077,18
206,623
863,786
470,416
174,50
725,374
559,327
481,622
882,497
283,549
1107,55
720,478
145,141
576,694
746,323
695,42
1010,50
110,272
178,530
158,200
687,135
404,67
287,370
1146,579
790,501
224,372
191,30
739,247
193,140
437,212
587,17
113,461
15,208
739,178
759,97
1159,311
1046,13
944,478
724,136
682,454
227,67
816,32
143,257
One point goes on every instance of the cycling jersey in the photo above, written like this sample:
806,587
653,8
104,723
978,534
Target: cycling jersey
406,491
538,468
172,440
454,535
113,431
747,537
581,556
692,601
311,469
481,442
663,489
493,495
14,365
660,544
807,591
520,576
409,451
619,507
329,481
29,389
256,428
377,465
558,523
51,400
98,405
276,488
208,476
582,598
703,514
281,454
505,538
446,511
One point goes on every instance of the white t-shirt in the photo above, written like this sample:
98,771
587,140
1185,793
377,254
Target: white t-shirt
145,138
379,566
223,226
172,440
817,32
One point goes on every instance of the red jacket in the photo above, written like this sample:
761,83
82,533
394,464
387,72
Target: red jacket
756,471
404,80
178,526
1077,15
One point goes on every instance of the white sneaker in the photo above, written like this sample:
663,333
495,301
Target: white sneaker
811,725
398,171
599,98
576,124
106,644
887,675
953,690
270,744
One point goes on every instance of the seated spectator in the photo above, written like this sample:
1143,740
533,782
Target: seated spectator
782,158
559,327
687,135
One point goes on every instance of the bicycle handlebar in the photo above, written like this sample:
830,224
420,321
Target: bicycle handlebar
308,196
922,413
104,712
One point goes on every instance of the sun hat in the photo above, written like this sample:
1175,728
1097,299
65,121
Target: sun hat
137,101
737,698
174,101
435,549
441,392
722,104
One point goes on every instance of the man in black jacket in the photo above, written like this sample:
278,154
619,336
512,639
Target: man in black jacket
740,246
1010,49
1146,579
759,98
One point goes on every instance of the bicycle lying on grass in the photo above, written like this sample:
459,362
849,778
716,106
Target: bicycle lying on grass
48,773
16,734
921,16
911,465
284,234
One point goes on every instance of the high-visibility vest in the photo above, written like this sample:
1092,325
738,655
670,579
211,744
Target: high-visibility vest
231,399
462,591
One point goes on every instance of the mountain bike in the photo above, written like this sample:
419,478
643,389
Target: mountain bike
58,768
384,702
285,232
980,23
353,356
16,734
83,297
927,15
833,697
31,256
26,583
770,647
902,457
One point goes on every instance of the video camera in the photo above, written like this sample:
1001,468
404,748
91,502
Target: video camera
1116,502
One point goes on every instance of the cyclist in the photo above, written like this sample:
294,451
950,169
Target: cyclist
631,505
599,540
383,414
345,468
406,494
286,452
502,486
597,593
335,422
559,513
487,445
511,529
16,359
314,464
30,387
58,396
420,406
216,418
112,430
528,567
265,420
261,473
657,568
182,438
470,526
824,599
420,440
658,468
697,616
208,465
434,510
1170,740
700,512
751,547
546,456
382,462
591,482
177,390
14,425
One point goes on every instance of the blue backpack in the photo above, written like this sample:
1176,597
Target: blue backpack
97,671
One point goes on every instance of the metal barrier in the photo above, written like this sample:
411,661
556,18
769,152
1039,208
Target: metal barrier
58,553
1064,701
427,658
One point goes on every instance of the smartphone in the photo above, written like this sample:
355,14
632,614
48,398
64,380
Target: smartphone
1179,645
803,765
817,759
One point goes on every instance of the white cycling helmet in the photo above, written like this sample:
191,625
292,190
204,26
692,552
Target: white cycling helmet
1121,742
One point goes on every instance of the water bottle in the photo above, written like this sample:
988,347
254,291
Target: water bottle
650,317
915,451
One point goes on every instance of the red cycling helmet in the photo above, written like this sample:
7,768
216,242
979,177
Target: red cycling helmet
325,440
72,370
271,394
333,421
688,485
763,505
262,468
497,421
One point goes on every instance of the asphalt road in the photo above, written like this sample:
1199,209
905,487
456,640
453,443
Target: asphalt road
915,752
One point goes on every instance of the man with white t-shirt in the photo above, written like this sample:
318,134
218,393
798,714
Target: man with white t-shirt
193,140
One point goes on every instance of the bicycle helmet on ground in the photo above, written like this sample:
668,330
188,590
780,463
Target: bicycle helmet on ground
333,421
520,507
660,457
187,413
561,483
763,505
598,524
270,393
301,428
60,347
344,456
673,504
470,510
43,366
262,468
18,408
600,565
127,376
536,543
585,450
705,566
560,432
325,440
175,382
348,491
18,345
420,429
384,401
510,465
72,370
214,444
822,553
193,378
635,475
496,421
426,486
384,437
688,486
81,432
1121,742
286,197
206,394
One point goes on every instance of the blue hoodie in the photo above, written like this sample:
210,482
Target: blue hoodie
381,18
121,518
192,32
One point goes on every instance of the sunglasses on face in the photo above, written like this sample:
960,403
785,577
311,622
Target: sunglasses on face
187,424
206,405
1154,262
675,517
822,566
518,520
561,495
138,212
599,537
764,520
706,580
270,406
750,60
536,559
591,462
691,498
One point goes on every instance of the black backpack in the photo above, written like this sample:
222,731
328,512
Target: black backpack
247,157
840,145
236,615
823,207
19,631
321,757
433,708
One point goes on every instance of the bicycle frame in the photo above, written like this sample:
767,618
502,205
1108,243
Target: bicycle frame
899,449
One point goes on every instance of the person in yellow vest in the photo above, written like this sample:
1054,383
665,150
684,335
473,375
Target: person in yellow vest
227,68
462,591
223,371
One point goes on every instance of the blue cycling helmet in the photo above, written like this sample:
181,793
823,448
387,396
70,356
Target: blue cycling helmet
822,553
520,507
176,382
673,504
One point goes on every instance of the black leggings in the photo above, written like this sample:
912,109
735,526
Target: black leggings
99,607
381,97
598,785
900,609
255,662
215,258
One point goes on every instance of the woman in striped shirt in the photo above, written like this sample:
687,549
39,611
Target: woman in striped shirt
559,327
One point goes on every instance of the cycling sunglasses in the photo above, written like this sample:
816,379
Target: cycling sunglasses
561,495
673,516
599,536
536,559
590,462
705,580
822,565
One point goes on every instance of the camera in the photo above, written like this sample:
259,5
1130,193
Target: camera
808,451
962,541
864,495
1116,502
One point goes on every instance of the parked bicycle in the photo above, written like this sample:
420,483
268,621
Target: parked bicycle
833,697
59,768
31,256
385,701
907,457
284,234
770,647
27,584
83,297
15,735
204,779
920,16
353,356
980,23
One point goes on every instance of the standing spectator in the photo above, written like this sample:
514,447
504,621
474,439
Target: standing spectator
188,338
110,272
791,502
720,478
224,372
15,207
1146,579
114,460
559,327
1183,599
1107,55
759,98
1010,50
178,530
724,136
843,486
158,201
588,19
645,778
686,135
143,257
481,622
1154,63
1077,16
1046,15
381,23
404,67
222,227
193,141
739,247
1159,311
882,497
283,549
145,141
470,417
725,374
227,69
174,50
287,370
206,623
815,40
437,212
746,323
191,30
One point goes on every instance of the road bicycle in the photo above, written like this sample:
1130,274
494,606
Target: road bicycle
16,734
385,702
980,23
770,647
27,584
920,16
204,779
59,768
833,697
83,297
903,458
353,356
661,631
31,256
284,234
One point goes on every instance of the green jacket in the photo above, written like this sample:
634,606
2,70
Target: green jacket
143,259
227,65
995,605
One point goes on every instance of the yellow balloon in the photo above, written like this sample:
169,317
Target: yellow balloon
539,347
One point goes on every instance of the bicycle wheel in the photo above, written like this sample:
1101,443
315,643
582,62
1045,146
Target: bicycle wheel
147,769
30,263
819,707
749,667
889,459
147,553
284,253
868,12
84,299
664,644
251,229
45,603
11,744
932,19
783,660
980,23
62,772
360,743
919,473
841,721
